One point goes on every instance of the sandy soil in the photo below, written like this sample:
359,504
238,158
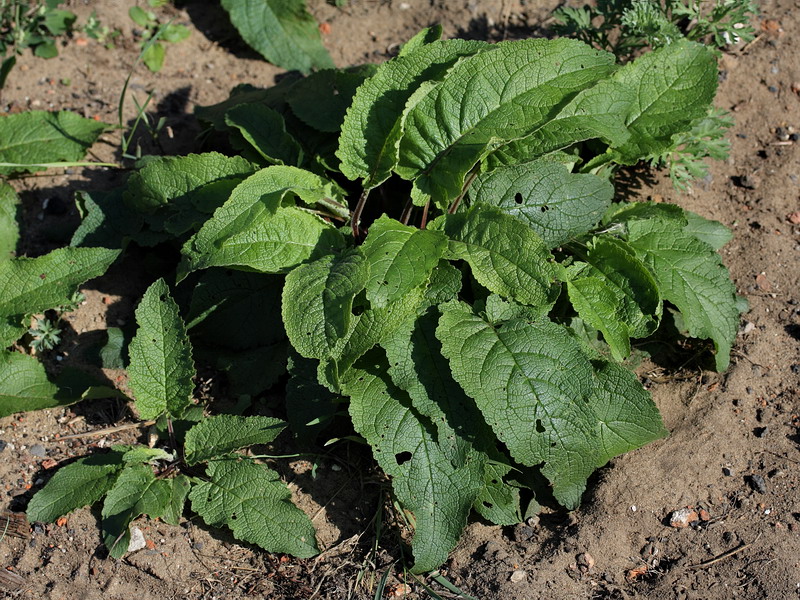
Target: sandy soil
733,448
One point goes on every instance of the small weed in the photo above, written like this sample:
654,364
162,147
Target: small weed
154,31
102,33
46,335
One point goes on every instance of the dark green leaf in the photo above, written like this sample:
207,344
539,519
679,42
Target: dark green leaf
78,484
438,494
221,434
555,203
282,31
9,227
265,130
161,369
35,137
254,503
506,256
321,100
691,276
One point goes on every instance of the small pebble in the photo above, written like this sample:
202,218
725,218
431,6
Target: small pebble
585,561
137,540
3,445
38,451
682,517
727,472
757,483
522,532
518,575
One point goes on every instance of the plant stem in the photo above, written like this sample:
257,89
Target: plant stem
470,178
362,201
424,220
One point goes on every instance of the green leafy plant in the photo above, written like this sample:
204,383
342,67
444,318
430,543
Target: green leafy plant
282,31
37,140
33,25
233,490
96,30
46,335
625,27
154,32
440,237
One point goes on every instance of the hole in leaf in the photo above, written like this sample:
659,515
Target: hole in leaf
402,457
552,444
539,426
488,504
544,208
518,198
495,482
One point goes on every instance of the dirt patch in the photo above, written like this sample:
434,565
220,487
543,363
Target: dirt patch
732,455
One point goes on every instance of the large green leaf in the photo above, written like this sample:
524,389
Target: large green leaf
400,258
616,293
105,219
318,302
506,256
487,100
691,276
136,492
370,328
713,233
254,503
33,138
438,494
626,413
9,227
256,230
33,285
161,369
672,86
24,385
196,182
532,383
597,112
321,100
555,203
418,367
373,125
265,130
78,484
282,31
221,434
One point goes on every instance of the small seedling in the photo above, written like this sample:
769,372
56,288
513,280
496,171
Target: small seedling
154,32
46,335
95,30
626,26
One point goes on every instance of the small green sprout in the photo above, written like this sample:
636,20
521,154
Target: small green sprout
46,335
